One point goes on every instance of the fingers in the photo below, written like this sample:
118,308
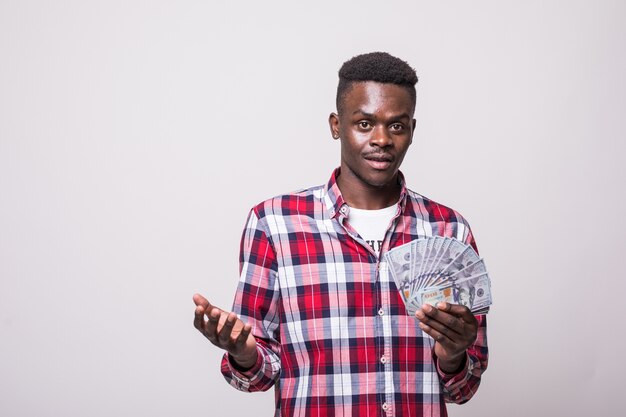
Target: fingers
198,318
226,330
207,327
243,335
199,300
219,329
458,310
204,307
211,326
439,337
442,321
452,326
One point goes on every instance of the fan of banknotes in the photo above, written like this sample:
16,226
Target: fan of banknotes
434,269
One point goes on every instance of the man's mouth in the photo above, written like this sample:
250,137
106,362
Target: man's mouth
379,161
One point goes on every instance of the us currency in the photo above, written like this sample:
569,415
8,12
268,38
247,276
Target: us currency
463,260
476,268
473,292
450,252
400,263
434,269
419,252
433,256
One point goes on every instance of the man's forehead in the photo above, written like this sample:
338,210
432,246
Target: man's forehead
370,97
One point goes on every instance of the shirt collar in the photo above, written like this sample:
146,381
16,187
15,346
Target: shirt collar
336,205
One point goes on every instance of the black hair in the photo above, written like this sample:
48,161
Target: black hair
375,66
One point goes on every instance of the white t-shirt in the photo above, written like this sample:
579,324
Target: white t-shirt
372,224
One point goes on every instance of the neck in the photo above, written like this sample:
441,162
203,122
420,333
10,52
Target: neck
360,195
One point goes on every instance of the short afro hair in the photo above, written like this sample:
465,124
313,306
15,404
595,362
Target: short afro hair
375,66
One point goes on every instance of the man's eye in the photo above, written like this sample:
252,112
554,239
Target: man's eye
364,125
396,127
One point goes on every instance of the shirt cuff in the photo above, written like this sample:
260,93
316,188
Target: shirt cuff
449,379
249,374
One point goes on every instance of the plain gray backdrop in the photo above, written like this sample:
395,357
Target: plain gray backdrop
136,135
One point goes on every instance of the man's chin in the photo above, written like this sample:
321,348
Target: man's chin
382,181
379,179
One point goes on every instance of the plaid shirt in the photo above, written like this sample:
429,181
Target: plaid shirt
332,331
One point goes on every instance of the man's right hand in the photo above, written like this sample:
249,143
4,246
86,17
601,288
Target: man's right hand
225,331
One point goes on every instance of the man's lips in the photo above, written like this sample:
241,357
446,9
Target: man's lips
379,161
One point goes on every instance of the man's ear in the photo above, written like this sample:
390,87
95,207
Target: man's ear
333,123
413,124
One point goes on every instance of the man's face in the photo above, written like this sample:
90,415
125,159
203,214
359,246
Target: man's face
376,128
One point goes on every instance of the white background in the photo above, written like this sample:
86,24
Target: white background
136,135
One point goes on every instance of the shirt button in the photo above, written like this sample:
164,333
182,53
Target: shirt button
381,312
385,406
383,359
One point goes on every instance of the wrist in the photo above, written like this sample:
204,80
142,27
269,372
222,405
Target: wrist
244,362
452,365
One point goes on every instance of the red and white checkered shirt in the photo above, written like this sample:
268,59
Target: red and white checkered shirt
332,331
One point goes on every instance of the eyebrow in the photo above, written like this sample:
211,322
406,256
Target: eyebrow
372,116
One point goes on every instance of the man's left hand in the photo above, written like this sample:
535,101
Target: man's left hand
454,329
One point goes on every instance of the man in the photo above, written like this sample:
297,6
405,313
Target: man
316,313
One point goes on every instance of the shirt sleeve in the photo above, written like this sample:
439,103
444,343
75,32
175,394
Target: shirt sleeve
459,388
256,303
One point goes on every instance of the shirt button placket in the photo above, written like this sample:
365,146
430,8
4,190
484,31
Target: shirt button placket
385,358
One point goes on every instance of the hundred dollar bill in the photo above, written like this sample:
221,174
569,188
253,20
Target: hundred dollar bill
454,249
473,292
430,249
471,270
463,260
437,268
433,256
399,260
412,305
476,291
420,247
437,276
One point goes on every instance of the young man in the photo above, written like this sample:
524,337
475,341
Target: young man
317,314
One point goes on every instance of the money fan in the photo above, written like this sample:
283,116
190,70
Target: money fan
434,269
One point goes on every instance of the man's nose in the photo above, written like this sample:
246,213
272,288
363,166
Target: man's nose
381,137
